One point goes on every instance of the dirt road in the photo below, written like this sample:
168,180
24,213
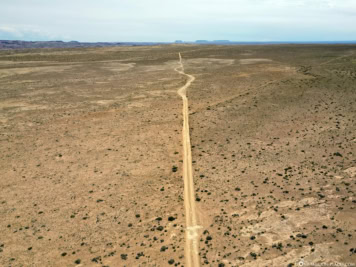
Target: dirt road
192,227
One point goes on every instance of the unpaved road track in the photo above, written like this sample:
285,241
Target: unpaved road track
192,231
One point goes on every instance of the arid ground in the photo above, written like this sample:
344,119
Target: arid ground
91,155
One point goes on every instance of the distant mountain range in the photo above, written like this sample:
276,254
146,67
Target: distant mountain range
6,44
9,44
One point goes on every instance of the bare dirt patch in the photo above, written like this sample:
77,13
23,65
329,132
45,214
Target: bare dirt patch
246,61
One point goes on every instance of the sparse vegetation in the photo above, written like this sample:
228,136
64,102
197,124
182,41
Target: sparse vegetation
92,163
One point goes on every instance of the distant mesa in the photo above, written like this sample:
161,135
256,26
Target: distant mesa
18,44
202,41
178,41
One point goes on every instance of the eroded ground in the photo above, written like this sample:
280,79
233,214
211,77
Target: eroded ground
91,138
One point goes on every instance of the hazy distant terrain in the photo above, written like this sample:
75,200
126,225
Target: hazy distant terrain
7,44
91,155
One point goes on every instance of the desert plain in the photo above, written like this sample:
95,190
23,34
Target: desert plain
91,155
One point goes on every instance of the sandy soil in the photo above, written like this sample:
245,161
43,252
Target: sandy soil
92,156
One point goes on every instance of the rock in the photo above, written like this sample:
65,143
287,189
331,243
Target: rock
351,172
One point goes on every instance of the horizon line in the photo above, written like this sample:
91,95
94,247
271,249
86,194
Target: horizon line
200,41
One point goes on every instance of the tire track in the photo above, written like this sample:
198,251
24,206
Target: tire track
192,228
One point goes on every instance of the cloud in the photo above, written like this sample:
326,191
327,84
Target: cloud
10,31
26,33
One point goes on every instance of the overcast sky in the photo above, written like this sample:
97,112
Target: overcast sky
168,20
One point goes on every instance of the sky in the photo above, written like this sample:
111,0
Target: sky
168,20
